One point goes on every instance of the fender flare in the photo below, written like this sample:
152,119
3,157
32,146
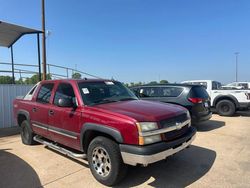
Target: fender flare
231,97
114,133
25,113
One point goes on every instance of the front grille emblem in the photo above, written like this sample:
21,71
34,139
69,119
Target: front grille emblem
178,125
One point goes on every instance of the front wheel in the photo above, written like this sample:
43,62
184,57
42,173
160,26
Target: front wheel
225,108
105,161
27,133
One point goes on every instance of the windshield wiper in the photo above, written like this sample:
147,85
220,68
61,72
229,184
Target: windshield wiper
127,99
103,101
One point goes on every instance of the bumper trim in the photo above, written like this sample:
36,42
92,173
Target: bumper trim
134,159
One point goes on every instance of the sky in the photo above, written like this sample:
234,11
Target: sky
138,40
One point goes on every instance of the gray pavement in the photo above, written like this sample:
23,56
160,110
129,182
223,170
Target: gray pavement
219,157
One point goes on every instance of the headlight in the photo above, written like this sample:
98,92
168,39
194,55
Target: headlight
149,139
148,126
188,117
188,114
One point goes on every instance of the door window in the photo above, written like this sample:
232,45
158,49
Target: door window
170,91
216,85
44,93
244,85
64,91
149,92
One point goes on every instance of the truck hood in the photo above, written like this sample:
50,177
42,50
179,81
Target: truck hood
141,110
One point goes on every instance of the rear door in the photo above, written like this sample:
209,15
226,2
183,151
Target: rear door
65,121
40,108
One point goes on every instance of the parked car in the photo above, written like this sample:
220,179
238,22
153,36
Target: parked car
237,85
103,121
225,101
193,98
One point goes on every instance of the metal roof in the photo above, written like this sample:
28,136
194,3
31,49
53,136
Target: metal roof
10,33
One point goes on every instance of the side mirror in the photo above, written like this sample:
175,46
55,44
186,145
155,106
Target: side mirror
65,102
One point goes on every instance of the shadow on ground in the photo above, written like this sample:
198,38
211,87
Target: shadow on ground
245,113
83,163
9,131
15,172
209,125
242,113
179,170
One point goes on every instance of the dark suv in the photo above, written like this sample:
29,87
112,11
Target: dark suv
193,97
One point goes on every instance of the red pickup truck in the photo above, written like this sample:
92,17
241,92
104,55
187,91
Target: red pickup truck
103,122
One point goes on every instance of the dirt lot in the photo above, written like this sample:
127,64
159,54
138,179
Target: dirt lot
219,157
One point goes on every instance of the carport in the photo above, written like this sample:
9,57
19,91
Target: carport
9,35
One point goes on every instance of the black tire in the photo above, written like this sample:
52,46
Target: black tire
27,133
117,170
225,108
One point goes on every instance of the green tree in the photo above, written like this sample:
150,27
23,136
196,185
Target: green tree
35,78
20,81
5,80
163,82
153,82
76,75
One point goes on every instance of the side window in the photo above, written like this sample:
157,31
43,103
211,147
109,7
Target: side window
45,93
244,85
32,90
65,91
136,91
170,91
216,85
149,92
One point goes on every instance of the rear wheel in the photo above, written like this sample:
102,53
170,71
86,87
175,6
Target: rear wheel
27,134
105,161
225,108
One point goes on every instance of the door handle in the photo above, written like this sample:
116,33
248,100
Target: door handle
34,109
51,112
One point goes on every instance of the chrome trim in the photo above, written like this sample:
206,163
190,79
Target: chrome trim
59,148
39,126
134,159
177,126
53,130
64,134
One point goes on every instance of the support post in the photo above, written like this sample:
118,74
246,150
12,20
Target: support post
44,41
236,66
67,72
39,57
12,65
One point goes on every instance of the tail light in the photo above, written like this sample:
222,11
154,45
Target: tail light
195,100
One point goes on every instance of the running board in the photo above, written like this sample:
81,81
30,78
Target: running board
59,148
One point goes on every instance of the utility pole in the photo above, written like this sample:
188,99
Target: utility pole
44,41
236,66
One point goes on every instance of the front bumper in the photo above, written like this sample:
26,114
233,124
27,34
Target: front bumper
145,155
244,105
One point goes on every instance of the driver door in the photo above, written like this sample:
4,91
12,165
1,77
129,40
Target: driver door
64,121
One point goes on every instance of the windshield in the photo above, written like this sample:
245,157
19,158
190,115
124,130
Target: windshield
100,92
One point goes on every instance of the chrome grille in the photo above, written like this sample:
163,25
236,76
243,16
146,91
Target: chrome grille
172,122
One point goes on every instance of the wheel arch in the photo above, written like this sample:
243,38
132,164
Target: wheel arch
21,116
90,130
226,97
